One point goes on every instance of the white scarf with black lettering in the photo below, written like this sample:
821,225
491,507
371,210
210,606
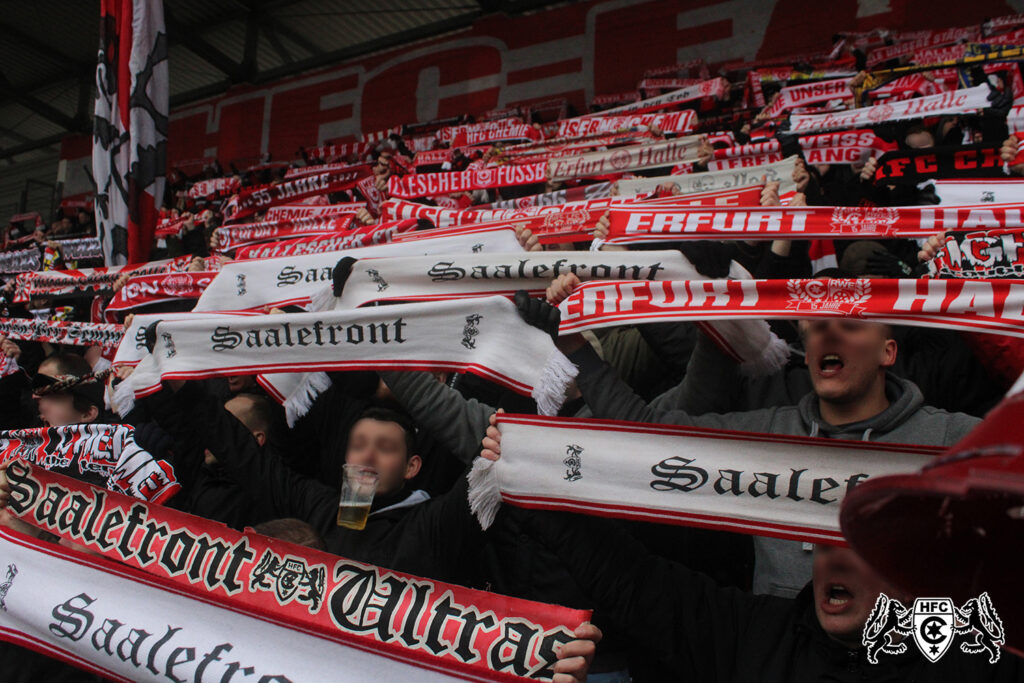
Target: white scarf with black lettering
484,336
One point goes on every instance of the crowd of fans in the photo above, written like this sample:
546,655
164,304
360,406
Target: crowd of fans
672,602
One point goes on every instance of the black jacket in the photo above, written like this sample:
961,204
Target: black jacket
437,538
701,632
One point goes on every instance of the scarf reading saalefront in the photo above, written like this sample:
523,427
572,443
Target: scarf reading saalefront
484,336
187,596
764,484
295,280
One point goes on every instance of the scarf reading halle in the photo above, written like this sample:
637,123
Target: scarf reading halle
632,224
282,611
104,455
484,336
764,484
990,306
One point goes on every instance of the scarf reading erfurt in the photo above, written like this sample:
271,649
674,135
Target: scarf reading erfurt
231,237
295,280
286,612
105,455
989,306
634,223
781,486
250,201
484,336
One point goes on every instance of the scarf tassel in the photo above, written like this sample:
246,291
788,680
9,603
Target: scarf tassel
484,493
558,374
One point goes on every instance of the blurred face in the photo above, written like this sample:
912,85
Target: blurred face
57,410
381,445
846,357
920,140
237,383
845,591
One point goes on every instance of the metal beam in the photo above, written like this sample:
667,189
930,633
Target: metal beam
297,38
187,37
47,49
7,153
37,106
275,42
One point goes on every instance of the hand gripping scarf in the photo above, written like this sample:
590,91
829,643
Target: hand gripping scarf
764,484
105,455
434,278
196,600
990,306
484,336
294,280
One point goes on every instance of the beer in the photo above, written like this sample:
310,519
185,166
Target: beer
353,515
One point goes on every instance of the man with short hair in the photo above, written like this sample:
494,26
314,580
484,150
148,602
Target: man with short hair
407,530
854,397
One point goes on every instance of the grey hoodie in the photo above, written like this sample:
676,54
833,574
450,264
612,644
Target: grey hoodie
782,567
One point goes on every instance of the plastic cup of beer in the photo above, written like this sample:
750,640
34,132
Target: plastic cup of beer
358,484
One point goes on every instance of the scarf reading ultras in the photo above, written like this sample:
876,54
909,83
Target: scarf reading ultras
190,586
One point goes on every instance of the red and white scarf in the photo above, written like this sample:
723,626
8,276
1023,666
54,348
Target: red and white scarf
104,454
955,102
716,87
484,336
764,484
578,193
250,201
315,169
363,236
278,610
779,171
82,280
293,212
231,237
808,93
990,306
296,280
962,192
430,184
628,158
435,278
632,224
145,290
678,122
214,186
61,332
490,132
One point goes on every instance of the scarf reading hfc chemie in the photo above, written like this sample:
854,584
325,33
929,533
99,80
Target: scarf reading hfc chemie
635,223
484,336
991,306
105,455
764,484
363,236
295,280
197,591
438,278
